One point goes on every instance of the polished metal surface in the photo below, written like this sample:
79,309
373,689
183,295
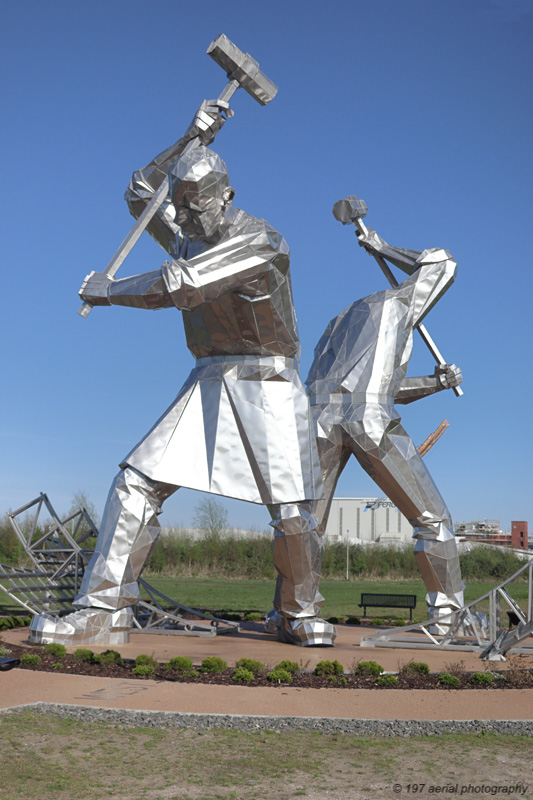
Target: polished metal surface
240,426
358,373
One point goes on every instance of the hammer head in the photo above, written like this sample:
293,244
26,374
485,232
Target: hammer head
349,209
243,68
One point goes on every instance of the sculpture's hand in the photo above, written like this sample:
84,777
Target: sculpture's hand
448,375
95,289
371,241
208,120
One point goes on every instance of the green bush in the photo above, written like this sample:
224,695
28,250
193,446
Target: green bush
143,670
5,624
144,660
386,680
329,668
30,659
338,680
279,676
481,678
179,664
353,621
250,664
4,651
58,665
242,675
378,621
368,668
335,620
399,623
288,666
54,649
415,668
252,616
83,654
108,657
213,664
452,681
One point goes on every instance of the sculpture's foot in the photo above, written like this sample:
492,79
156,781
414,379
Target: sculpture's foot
302,631
86,626
446,617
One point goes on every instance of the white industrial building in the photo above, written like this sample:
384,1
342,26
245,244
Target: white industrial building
369,519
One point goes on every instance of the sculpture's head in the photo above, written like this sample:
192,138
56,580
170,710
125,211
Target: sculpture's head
201,193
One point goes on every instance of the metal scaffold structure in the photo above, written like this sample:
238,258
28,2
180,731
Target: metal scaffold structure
470,629
59,550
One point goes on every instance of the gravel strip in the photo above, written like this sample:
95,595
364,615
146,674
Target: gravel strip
203,722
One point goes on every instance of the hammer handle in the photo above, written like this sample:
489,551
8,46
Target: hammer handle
422,330
150,210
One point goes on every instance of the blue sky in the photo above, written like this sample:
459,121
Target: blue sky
421,107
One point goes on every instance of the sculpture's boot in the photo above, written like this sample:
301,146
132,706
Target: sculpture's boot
298,551
128,532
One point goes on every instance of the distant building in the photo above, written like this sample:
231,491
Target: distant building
519,535
370,519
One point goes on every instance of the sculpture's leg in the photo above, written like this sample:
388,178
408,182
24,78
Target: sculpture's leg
298,550
397,468
109,588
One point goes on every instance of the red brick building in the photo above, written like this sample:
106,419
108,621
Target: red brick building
519,535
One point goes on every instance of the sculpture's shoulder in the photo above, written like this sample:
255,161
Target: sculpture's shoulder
257,231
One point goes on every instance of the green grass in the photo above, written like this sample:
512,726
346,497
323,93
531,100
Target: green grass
342,597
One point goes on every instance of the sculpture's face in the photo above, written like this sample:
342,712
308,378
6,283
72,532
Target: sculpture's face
201,218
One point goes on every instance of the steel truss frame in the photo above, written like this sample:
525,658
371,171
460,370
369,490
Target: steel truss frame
59,561
470,631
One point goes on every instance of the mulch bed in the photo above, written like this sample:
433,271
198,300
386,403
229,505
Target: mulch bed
508,678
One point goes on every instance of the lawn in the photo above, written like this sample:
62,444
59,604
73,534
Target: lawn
341,597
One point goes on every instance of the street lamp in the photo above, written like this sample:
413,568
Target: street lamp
347,555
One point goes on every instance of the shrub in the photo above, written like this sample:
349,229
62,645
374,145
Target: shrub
481,678
58,665
329,668
54,649
455,668
452,681
334,620
338,680
415,668
143,670
108,657
213,664
143,660
378,621
288,666
386,680
4,651
368,668
242,675
83,654
179,664
353,621
399,623
279,675
252,616
253,666
31,659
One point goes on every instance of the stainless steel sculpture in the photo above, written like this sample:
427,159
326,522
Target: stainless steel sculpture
240,426
358,374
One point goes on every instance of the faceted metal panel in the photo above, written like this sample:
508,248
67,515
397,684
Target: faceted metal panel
240,426
359,370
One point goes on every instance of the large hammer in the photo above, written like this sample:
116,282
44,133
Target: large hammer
353,209
242,71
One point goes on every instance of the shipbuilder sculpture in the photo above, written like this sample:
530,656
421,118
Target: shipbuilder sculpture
240,426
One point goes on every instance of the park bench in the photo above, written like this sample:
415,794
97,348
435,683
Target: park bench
388,601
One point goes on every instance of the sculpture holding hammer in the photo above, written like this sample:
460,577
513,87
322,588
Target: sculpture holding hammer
240,426
359,373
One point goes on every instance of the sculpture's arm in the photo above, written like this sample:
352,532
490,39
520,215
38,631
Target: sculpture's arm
242,264
446,376
406,260
206,123
139,291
